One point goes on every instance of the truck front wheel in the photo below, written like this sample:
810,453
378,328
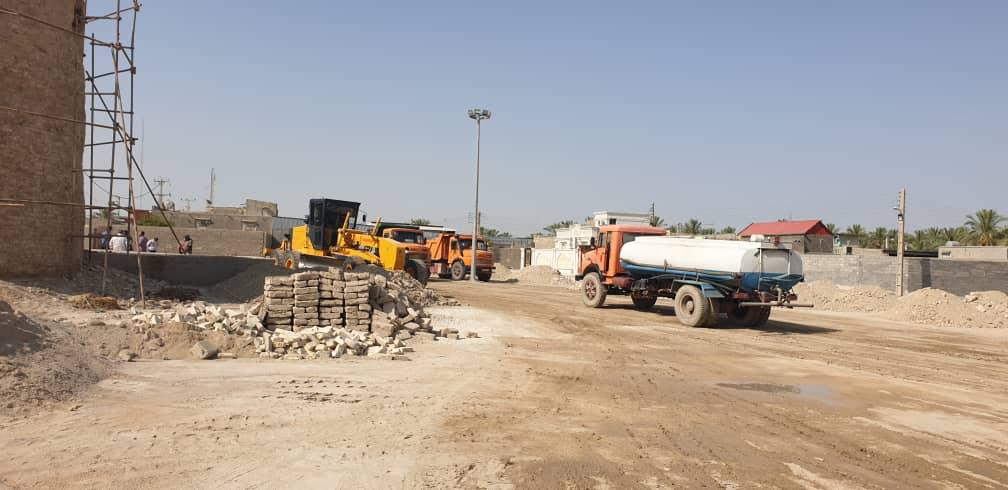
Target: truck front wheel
691,308
458,271
593,292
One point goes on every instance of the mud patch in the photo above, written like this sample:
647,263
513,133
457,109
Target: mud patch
764,387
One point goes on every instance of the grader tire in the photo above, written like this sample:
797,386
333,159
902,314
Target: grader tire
418,270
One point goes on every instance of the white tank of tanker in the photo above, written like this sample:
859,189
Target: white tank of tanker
751,266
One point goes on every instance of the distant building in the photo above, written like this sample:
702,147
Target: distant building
253,216
807,236
603,218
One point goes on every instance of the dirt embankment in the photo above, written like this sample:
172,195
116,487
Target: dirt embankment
983,309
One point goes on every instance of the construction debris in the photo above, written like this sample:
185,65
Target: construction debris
91,301
317,314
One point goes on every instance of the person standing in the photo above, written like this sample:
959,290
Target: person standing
152,245
119,243
185,248
106,236
142,242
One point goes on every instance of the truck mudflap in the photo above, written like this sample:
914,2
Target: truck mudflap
707,289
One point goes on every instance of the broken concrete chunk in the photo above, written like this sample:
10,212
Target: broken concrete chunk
203,350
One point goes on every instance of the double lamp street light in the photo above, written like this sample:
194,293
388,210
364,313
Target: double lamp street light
479,115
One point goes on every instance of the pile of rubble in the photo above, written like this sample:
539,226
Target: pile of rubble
320,314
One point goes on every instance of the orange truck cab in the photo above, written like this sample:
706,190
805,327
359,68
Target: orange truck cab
410,237
451,256
602,257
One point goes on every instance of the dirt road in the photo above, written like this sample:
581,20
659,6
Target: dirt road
553,395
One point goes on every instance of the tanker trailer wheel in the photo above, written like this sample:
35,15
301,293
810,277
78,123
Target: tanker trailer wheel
417,270
458,271
691,308
643,303
593,292
752,316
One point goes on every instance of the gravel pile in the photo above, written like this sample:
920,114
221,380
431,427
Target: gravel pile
540,275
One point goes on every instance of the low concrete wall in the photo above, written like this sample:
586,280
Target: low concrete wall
190,270
959,277
208,241
511,256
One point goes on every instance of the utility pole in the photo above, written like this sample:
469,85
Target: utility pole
213,183
160,182
652,220
900,230
479,115
188,203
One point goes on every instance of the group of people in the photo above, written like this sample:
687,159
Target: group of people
120,242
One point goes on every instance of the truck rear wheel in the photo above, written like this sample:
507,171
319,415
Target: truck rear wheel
458,271
643,303
418,270
691,308
750,316
593,292
483,275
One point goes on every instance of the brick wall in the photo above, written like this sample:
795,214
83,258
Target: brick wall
959,277
40,158
209,242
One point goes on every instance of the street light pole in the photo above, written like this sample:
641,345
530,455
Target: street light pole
479,115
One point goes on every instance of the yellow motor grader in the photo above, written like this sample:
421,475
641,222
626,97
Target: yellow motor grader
329,238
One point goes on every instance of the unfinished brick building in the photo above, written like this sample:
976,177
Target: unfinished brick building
41,181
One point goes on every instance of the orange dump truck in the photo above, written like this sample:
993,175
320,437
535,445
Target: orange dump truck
412,239
451,256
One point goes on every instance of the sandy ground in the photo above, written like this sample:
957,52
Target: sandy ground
554,395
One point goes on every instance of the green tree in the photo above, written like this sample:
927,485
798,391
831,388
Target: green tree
551,229
657,221
983,225
153,220
491,233
832,227
877,238
421,221
856,231
692,227
728,230
953,234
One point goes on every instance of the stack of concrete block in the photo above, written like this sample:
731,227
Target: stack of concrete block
278,298
356,306
306,300
330,303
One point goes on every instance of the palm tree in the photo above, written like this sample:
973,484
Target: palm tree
420,222
692,227
656,221
728,230
857,231
983,225
877,238
832,227
921,240
953,234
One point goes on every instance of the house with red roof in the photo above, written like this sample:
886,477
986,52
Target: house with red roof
804,236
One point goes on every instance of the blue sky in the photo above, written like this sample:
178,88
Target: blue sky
729,112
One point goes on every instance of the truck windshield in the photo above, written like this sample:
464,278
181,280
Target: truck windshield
408,237
465,243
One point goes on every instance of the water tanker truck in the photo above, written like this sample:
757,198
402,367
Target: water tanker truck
710,280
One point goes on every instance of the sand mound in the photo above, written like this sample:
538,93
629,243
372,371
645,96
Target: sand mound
245,285
41,364
926,306
937,307
826,296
